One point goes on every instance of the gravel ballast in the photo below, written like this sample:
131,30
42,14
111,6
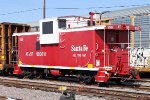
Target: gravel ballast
29,94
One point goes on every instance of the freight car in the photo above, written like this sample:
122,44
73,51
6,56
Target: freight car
140,57
6,31
91,52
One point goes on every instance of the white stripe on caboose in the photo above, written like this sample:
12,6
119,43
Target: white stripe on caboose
61,67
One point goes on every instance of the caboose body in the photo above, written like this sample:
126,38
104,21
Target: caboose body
97,52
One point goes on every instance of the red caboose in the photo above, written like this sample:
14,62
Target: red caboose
97,52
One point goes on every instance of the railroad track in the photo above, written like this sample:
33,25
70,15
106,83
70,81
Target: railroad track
111,92
7,98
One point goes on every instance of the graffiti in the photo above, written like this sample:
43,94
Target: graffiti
140,57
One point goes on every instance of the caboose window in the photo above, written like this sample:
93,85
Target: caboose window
62,23
47,27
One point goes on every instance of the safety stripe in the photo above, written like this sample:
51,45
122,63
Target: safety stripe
72,68
60,67
90,66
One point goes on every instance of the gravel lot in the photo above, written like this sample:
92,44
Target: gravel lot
29,94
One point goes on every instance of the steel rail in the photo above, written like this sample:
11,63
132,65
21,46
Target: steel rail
78,89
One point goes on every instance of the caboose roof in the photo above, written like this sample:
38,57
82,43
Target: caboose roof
119,27
25,33
106,27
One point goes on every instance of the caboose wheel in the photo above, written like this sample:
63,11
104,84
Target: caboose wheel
43,76
4,72
103,84
118,81
22,75
134,73
55,77
87,79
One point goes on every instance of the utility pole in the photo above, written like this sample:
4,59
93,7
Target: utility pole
44,10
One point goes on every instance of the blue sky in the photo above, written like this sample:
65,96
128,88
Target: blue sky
31,10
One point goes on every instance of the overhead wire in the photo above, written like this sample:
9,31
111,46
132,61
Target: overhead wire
22,11
71,8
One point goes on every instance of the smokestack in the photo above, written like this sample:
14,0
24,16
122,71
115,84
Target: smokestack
91,18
